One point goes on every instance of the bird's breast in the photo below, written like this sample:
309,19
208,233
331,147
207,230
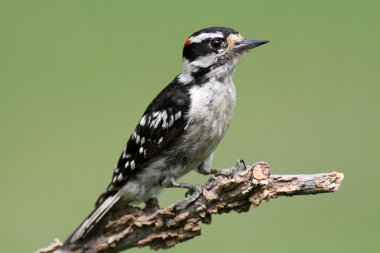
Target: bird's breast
209,116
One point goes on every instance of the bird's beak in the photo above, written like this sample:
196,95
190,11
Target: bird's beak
245,45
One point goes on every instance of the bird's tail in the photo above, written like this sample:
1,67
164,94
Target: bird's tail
93,218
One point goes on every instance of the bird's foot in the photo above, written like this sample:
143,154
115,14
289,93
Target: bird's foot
194,192
229,173
240,165
192,195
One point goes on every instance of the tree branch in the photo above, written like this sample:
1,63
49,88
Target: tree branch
163,228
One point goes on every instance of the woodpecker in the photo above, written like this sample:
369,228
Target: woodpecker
181,128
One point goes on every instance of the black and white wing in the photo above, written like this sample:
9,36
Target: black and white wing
162,122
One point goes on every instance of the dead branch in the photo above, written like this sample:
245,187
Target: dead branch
164,228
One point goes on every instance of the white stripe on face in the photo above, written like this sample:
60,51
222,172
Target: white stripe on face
199,38
205,61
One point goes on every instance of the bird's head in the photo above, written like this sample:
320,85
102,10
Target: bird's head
215,51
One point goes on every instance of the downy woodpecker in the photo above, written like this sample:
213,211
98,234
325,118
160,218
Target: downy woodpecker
181,127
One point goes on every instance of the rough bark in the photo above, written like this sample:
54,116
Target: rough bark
164,228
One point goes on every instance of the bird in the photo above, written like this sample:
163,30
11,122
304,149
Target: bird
182,126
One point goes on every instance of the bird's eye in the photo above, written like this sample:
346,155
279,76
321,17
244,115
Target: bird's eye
217,43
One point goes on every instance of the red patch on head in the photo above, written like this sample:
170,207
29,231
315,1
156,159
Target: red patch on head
187,42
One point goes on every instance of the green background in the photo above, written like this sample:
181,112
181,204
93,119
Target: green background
75,77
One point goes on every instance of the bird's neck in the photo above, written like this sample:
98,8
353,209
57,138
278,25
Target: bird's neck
200,75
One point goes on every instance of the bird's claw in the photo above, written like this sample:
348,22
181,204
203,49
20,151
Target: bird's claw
240,165
191,195
229,173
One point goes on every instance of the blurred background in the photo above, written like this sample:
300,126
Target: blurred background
75,77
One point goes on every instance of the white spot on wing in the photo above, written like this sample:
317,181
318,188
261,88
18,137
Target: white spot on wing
142,140
164,115
138,139
164,119
152,123
143,121
126,164
141,150
171,122
133,164
120,177
160,140
124,153
158,120
177,115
